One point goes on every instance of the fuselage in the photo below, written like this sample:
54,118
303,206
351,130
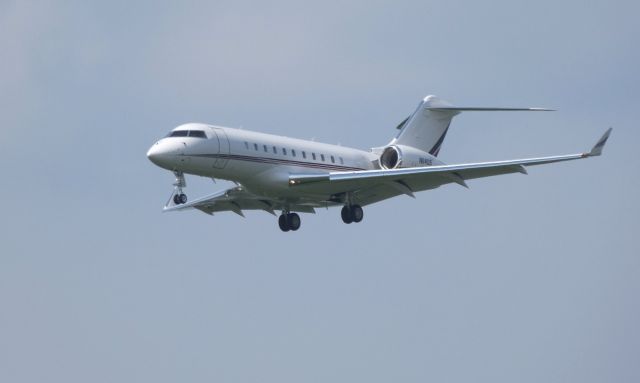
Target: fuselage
260,162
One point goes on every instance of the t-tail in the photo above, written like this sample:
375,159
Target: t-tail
427,127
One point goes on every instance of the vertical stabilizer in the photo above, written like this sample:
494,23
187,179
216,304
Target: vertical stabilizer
426,128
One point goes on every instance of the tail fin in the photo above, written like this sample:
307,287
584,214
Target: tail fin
426,128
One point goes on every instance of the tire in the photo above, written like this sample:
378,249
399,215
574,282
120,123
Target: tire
356,213
346,214
183,198
283,222
176,199
294,221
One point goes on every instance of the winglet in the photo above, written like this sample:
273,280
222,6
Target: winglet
597,148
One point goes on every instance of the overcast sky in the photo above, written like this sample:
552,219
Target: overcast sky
519,279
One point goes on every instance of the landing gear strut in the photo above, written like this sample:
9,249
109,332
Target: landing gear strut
289,221
179,197
351,213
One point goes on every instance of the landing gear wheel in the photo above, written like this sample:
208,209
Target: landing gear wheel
294,221
356,213
351,213
346,214
180,199
289,221
283,222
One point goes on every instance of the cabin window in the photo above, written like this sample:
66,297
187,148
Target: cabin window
322,157
255,146
246,145
284,151
333,160
293,152
313,155
275,151
304,155
264,147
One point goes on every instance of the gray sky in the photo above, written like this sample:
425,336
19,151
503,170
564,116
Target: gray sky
520,278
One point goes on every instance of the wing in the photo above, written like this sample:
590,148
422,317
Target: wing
236,200
375,185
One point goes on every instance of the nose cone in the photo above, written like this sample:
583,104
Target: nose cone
154,154
161,155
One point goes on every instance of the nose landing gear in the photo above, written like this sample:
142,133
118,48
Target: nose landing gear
289,221
179,197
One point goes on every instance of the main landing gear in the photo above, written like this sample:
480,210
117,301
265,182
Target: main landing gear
289,221
179,197
351,213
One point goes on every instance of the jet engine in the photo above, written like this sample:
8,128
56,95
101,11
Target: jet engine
401,156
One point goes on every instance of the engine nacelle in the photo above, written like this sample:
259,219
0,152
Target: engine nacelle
401,156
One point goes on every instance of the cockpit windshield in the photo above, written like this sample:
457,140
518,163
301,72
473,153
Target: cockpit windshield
197,133
178,133
189,133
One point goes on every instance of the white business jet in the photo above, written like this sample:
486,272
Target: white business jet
275,173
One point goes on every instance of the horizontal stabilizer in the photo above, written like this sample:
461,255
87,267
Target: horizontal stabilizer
476,109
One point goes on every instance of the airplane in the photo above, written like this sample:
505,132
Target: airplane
274,173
